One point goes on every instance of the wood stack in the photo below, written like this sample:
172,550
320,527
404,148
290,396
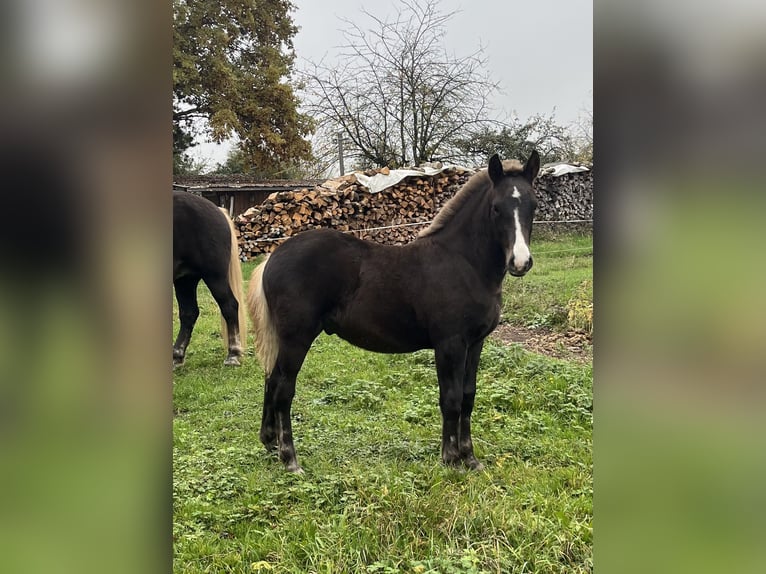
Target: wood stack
565,197
346,205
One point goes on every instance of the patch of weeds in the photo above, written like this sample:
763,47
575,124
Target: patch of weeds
357,394
423,408
580,308
207,475
467,562
501,359
555,317
424,357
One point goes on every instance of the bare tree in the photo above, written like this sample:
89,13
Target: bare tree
516,139
395,92
583,135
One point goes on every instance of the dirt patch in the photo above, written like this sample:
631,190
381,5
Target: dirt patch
572,345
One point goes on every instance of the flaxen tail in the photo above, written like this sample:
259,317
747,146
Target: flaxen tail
235,283
266,340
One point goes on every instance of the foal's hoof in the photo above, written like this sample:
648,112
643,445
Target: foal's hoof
177,364
269,441
232,361
473,464
294,468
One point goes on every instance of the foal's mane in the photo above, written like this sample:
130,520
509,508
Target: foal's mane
478,181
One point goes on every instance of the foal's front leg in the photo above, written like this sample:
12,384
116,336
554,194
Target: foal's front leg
469,392
450,370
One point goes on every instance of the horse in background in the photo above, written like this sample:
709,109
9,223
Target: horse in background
441,291
205,247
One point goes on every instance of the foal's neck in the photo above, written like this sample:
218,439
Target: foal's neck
470,236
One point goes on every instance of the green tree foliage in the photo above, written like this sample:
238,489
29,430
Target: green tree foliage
238,163
183,163
231,64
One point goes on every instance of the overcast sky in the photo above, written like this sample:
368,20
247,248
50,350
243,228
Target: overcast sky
540,51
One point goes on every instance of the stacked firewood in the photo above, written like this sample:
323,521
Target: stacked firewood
565,198
393,216
346,205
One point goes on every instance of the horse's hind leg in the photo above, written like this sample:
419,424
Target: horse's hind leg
188,311
223,295
469,392
278,399
268,434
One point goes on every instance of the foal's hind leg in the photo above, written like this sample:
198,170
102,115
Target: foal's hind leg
268,434
277,403
188,311
223,295
469,392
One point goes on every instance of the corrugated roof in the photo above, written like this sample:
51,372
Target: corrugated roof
238,183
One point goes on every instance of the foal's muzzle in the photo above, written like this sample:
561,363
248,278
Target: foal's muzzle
519,272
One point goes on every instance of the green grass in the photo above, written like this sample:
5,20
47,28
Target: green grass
539,299
375,497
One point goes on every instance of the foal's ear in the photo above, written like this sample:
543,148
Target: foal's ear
532,166
495,169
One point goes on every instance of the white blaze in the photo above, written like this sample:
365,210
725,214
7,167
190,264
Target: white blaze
520,253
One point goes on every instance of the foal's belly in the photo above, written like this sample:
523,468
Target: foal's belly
387,337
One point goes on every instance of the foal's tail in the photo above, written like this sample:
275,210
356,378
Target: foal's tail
266,340
235,283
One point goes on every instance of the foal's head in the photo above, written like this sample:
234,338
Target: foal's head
512,208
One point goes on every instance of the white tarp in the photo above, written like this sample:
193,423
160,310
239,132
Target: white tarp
379,182
558,169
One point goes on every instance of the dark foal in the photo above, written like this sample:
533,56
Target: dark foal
441,291
205,247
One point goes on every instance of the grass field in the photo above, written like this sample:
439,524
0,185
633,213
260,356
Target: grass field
563,269
375,497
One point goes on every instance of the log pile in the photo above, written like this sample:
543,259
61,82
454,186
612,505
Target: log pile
566,197
346,205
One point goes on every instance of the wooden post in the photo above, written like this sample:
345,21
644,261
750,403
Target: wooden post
340,153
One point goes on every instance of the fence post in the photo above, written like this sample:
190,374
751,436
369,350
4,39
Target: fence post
340,153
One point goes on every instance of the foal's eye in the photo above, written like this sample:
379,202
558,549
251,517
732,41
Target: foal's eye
495,209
